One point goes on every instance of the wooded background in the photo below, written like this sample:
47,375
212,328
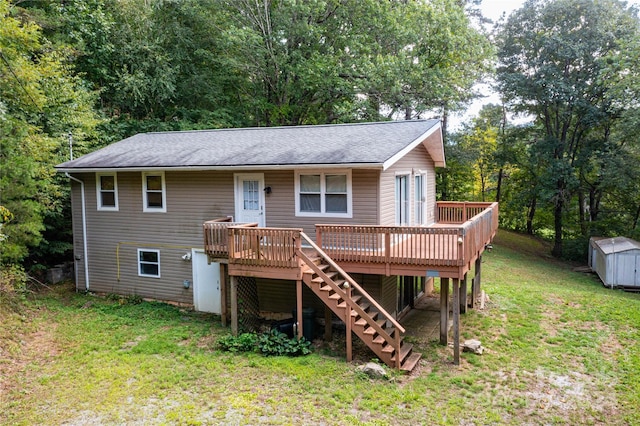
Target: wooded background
97,71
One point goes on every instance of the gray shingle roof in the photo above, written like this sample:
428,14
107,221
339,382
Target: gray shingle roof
366,144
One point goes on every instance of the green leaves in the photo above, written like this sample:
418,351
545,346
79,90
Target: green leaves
560,63
273,343
41,103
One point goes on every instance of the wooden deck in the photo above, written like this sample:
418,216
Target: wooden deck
447,248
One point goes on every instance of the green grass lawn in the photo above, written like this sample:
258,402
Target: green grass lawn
560,349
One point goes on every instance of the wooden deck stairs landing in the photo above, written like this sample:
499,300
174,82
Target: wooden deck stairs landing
357,309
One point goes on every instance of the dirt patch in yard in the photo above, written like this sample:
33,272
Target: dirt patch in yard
31,348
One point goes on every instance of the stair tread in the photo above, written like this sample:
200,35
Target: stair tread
364,321
308,270
361,322
326,288
372,330
410,363
389,349
379,340
405,349
354,298
336,296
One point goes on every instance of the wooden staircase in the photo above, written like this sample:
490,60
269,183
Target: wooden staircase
357,309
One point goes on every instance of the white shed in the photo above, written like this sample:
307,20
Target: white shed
616,261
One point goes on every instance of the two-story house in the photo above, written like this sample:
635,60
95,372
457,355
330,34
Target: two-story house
259,221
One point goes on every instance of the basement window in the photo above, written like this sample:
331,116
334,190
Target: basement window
149,263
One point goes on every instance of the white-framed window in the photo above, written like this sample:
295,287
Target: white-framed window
107,191
154,193
324,193
149,263
402,199
420,195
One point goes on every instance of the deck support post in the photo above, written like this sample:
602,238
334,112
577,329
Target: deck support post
456,321
347,321
299,308
475,284
444,310
234,304
463,295
223,294
328,318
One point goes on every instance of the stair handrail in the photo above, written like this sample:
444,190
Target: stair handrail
353,284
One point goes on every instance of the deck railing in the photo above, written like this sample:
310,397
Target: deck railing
454,244
402,245
272,247
459,212
216,236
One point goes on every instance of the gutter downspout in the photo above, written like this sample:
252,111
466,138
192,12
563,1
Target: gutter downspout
84,231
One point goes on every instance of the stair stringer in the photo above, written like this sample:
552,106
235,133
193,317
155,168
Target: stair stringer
345,297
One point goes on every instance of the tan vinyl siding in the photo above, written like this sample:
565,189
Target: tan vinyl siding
280,204
78,249
416,161
115,236
191,199
279,296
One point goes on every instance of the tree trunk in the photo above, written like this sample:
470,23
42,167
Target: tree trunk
582,214
635,218
557,222
530,215
499,185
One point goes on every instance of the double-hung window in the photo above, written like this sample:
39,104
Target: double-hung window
323,194
149,263
107,191
154,194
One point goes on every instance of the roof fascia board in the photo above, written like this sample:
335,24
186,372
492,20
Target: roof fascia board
376,166
420,139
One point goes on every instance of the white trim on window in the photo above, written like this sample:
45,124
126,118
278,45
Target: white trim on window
324,193
147,265
103,193
402,198
159,206
420,198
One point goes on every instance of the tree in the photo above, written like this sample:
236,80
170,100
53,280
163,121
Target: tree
40,103
554,60
334,61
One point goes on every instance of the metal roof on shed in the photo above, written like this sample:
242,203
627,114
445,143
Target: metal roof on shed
359,144
616,245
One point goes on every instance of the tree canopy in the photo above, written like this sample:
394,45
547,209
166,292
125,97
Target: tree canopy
571,67
97,71
41,103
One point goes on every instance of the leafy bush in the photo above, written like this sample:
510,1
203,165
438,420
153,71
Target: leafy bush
277,343
245,342
270,344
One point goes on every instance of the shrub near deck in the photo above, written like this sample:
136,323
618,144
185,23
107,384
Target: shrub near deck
560,348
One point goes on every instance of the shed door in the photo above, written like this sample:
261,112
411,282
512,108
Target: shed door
626,269
206,283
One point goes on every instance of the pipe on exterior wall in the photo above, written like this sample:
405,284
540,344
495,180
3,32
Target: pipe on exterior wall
84,231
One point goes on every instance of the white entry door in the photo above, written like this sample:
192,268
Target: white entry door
249,189
206,283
